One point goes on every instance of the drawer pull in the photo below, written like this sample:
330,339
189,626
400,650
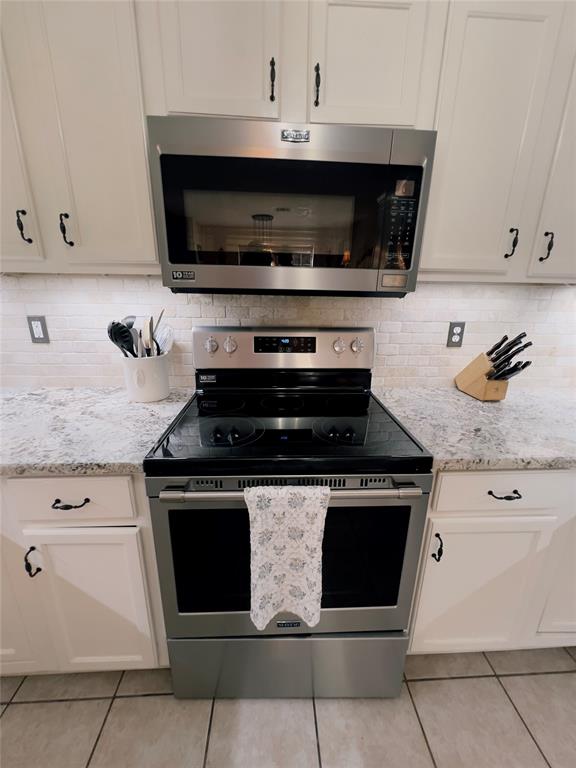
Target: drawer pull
59,505
510,497
516,233
20,225
28,565
317,83
272,78
549,246
440,551
63,232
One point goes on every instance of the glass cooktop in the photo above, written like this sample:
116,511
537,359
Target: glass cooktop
259,431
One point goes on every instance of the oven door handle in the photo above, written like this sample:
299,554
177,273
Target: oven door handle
181,497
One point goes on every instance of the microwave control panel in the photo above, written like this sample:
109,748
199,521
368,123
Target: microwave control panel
399,225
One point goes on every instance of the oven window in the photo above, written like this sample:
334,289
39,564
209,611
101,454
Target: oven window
363,555
289,213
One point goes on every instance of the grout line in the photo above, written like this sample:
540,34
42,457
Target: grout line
524,722
421,725
537,674
453,677
5,704
105,720
208,732
316,730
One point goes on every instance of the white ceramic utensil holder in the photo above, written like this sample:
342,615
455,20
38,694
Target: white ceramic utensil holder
146,378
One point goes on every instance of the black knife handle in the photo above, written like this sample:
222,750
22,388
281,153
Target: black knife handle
496,346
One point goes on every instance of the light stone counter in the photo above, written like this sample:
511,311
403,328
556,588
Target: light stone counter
82,431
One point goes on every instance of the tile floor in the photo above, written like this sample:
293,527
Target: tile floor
497,710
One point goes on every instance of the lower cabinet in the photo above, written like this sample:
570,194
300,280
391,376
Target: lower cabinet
74,597
495,575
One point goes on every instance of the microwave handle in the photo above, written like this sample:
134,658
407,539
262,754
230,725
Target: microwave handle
181,497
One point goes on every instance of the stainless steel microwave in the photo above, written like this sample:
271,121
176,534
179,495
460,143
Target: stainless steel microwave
264,207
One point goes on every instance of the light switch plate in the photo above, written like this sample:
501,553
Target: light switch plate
455,334
38,329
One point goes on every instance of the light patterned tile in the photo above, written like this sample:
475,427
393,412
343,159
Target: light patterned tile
548,705
154,732
371,733
446,665
50,734
533,660
263,733
472,724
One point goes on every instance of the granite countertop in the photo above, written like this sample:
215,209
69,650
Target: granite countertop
81,431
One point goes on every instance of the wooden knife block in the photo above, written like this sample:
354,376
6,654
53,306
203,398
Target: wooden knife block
473,381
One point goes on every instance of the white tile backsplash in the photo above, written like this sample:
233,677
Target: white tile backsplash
410,332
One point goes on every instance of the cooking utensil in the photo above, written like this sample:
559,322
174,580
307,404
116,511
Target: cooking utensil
165,338
129,320
157,323
151,336
496,346
120,335
508,347
502,362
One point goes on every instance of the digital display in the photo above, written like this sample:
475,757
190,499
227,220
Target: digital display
285,344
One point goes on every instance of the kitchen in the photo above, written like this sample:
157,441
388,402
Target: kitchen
484,602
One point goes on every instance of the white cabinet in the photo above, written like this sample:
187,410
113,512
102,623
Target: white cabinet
221,58
476,596
554,251
88,606
371,62
498,563
501,60
74,78
94,584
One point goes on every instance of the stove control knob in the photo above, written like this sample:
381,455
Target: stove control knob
339,345
211,345
357,345
230,345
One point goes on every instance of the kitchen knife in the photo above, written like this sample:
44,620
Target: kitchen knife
503,372
515,373
501,362
496,346
508,347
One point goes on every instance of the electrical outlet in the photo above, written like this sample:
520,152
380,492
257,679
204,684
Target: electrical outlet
38,329
455,334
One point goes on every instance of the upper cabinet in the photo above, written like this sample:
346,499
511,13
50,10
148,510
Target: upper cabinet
221,58
327,61
72,70
371,62
506,71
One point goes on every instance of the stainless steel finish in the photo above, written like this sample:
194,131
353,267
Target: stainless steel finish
331,666
154,485
239,624
294,136
326,355
181,497
186,135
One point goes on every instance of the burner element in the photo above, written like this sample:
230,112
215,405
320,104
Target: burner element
343,432
228,433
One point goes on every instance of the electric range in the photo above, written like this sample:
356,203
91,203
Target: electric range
287,407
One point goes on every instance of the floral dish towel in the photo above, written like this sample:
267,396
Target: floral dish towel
286,532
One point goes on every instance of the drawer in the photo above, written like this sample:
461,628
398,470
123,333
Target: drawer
38,499
487,491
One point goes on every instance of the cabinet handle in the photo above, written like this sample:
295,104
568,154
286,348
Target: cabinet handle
272,78
59,505
20,225
515,232
28,565
317,81
63,216
510,497
440,551
549,246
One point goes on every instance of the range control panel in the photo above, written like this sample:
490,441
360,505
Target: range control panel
220,347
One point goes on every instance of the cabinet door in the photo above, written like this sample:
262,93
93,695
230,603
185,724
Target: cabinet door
554,251
73,68
217,56
560,611
369,56
487,589
16,201
23,644
96,597
497,67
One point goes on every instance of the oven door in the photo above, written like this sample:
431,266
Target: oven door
370,554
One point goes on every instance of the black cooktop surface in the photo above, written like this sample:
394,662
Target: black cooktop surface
267,432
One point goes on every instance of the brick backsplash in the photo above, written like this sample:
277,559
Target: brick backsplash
410,332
